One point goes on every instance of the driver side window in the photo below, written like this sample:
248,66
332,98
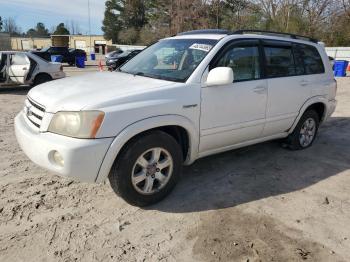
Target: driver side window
244,61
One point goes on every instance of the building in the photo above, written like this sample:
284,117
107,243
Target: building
25,43
95,43
5,42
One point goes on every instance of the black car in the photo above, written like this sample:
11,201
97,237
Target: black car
116,60
68,55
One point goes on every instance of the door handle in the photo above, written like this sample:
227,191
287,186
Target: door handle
24,68
260,89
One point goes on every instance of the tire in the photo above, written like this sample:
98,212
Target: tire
42,78
132,188
304,130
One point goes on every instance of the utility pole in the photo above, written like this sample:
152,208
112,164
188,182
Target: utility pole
89,14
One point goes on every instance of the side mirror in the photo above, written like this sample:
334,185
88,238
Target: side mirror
220,76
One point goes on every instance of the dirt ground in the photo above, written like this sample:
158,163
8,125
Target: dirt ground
261,203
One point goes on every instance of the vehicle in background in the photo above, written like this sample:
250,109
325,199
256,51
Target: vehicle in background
68,55
113,53
140,124
25,68
77,53
118,59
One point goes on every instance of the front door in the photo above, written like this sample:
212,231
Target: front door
234,113
19,68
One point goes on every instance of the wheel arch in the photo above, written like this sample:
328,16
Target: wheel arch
179,127
318,103
41,74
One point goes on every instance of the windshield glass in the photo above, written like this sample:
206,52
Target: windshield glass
170,59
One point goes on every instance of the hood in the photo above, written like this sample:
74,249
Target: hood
92,91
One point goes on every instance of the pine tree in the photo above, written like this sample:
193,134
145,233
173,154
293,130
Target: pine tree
112,22
61,30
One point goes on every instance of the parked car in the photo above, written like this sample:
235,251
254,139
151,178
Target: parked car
139,125
77,53
68,55
116,60
113,53
23,68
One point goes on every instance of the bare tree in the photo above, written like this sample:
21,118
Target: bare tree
10,26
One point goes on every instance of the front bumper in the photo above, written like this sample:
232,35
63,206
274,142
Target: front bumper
82,157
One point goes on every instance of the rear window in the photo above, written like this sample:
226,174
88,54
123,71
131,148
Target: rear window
279,61
312,60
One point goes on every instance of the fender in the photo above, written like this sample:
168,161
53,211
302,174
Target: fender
141,126
309,102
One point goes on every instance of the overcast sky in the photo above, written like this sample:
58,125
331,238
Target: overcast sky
52,12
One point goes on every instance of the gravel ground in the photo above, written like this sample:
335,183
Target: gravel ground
261,203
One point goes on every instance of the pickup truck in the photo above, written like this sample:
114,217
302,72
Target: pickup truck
68,55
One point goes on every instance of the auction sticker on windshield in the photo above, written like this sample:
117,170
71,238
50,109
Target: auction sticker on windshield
203,47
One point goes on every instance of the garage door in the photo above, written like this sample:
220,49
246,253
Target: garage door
80,44
26,45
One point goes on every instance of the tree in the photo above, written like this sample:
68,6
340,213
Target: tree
10,26
73,27
0,24
61,30
39,31
112,23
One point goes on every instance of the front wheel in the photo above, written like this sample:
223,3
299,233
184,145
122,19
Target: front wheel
305,132
147,169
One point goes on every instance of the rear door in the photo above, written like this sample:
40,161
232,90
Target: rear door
18,68
288,89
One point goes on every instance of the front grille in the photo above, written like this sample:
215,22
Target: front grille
34,112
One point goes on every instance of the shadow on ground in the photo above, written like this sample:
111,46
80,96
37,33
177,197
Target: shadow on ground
260,171
15,90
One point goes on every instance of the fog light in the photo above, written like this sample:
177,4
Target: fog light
57,158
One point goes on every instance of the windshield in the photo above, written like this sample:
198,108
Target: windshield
170,59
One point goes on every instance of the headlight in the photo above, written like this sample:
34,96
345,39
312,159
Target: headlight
83,124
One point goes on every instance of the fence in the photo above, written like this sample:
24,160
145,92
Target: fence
339,53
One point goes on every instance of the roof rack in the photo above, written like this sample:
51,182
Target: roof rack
206,31
262,32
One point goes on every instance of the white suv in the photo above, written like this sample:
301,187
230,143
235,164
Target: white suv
181,99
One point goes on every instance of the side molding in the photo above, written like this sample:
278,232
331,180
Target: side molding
141,126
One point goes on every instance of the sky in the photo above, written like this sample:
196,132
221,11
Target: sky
28,13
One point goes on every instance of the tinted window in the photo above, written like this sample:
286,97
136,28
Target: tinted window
279,61
312,60
299,60
244,62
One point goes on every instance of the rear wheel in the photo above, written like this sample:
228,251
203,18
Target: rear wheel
147,169
42,78
305,132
